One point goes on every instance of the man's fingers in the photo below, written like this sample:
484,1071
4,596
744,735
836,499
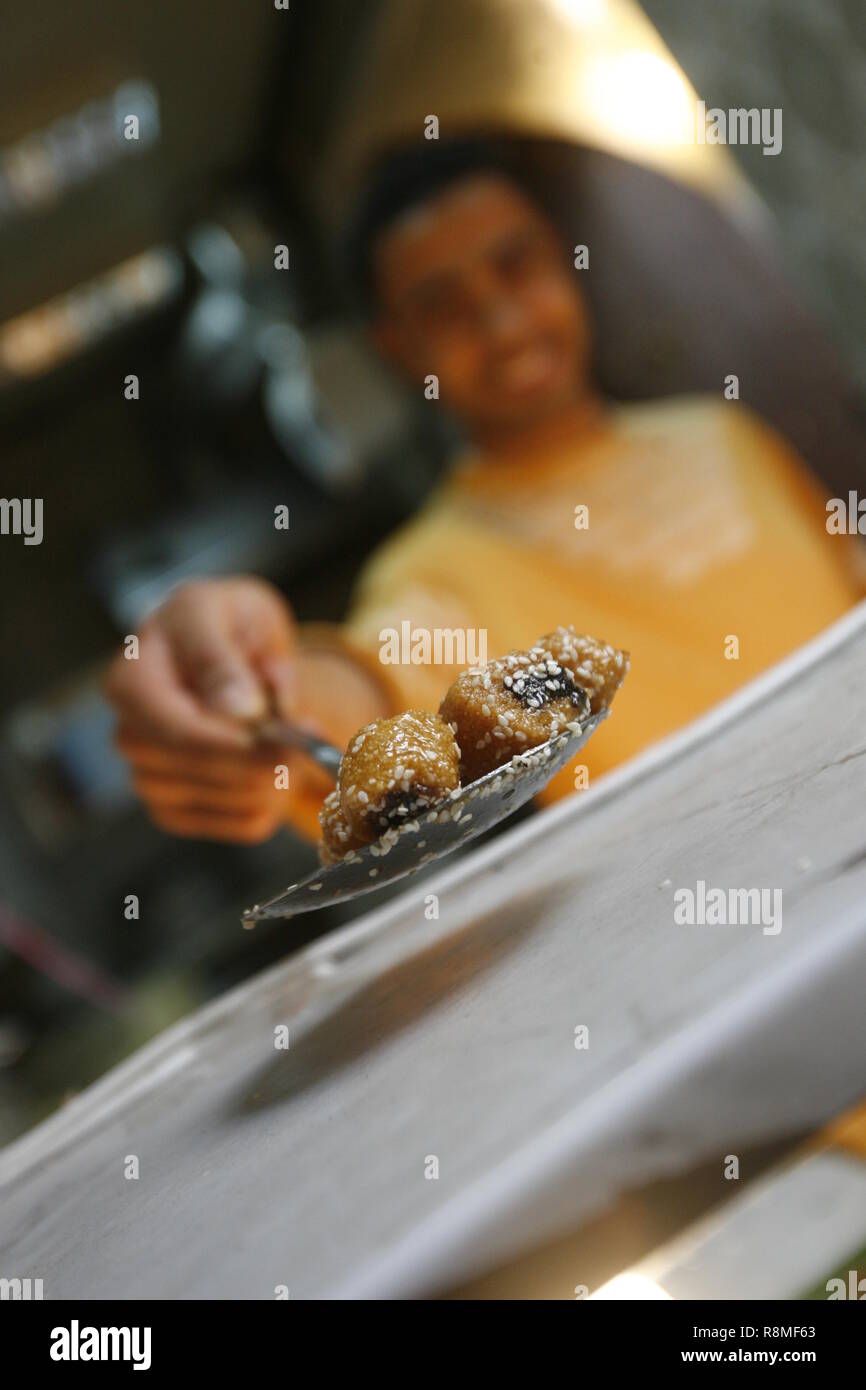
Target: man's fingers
150,696
208,766
239,801
261,619
210,656
254,767
222,634
201,784
209,663
281,675
199,823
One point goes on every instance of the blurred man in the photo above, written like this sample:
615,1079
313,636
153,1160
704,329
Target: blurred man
685,531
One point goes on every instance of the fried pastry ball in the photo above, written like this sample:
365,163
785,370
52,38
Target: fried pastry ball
521,700
392,770
599,668
337,838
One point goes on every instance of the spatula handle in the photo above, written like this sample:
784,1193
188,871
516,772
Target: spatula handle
324,754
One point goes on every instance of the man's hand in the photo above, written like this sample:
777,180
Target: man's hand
217,657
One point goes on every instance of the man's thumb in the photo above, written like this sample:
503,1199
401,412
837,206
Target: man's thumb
213,637
226,683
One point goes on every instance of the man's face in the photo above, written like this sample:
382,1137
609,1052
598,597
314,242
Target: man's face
475,287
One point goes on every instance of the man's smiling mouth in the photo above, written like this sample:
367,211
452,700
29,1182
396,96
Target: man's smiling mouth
528,369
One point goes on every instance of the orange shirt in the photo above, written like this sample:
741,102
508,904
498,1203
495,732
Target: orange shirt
702,550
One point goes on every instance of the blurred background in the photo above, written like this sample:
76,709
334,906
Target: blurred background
156,257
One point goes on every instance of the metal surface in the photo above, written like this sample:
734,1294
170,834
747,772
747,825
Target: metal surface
418,1035
468,812
779,1238
280,731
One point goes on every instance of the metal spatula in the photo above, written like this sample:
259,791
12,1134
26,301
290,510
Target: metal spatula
446,826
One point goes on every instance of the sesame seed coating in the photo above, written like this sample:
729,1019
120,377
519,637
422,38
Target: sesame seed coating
396,769
521,700
392,769
337,838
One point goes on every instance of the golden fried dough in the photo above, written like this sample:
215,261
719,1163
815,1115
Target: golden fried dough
521,700
393,769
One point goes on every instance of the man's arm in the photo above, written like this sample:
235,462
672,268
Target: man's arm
216,658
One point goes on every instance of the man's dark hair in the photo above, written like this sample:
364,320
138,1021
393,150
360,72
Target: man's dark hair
404,179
